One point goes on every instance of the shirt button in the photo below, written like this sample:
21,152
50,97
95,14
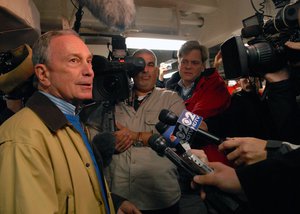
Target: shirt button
87,165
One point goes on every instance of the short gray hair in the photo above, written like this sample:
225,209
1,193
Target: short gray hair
142,51
40,50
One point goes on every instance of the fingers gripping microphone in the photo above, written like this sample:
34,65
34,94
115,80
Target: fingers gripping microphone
104,147
114,13
186,161
222,202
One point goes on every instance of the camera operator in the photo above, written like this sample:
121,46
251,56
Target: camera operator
271,185
274,115
136,172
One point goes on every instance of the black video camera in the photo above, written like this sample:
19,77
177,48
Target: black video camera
112,78
265,51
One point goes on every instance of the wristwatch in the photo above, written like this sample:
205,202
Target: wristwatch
139,141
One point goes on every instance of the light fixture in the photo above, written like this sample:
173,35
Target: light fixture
153,43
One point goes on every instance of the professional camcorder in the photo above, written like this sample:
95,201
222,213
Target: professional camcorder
112,81
112,84
264,51
16,73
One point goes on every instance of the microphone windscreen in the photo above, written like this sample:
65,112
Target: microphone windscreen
114,13
161,127
105,145
168,117
157,143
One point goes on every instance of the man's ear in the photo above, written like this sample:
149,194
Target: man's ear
42,74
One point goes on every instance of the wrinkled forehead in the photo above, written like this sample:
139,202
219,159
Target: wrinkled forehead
68,44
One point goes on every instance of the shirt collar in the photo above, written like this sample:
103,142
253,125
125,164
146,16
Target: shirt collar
65,107
180,83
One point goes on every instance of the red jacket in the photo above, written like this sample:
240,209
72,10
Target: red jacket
210,97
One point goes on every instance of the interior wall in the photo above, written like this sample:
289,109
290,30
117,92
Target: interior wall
99,50
226,22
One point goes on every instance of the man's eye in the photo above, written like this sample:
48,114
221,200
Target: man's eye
74,60
195,62
89,61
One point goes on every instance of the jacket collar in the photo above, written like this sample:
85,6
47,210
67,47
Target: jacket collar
47,111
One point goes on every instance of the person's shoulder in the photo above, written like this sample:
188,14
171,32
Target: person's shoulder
167,95
209,72
165,91
24,128
23,119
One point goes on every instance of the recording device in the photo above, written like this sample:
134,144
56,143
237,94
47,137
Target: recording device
12,58
191,164
167,117
104,143
264,52
187,127
16,73
166,131
187,161
118,47
112,78
111,85
117,14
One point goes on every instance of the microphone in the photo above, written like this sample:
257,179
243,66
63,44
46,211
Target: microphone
104,147
221,201
167,132
186,161
168,117
187,127
117,13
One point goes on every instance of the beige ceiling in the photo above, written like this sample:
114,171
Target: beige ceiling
164,17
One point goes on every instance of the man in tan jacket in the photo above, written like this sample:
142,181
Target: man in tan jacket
46,163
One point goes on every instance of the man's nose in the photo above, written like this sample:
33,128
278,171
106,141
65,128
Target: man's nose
88,70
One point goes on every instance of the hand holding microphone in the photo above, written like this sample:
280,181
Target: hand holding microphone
223,202
186,160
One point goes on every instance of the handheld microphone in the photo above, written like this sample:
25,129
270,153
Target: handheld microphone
117,13
187,127
168,117
186,161
167,132
221,201
104,147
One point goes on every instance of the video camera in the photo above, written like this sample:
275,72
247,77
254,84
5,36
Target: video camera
265,51
16,73
112,78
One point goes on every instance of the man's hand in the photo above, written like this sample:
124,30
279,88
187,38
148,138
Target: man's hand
223,177
293,45
218,60
162,72
128,208
246,150
124,138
